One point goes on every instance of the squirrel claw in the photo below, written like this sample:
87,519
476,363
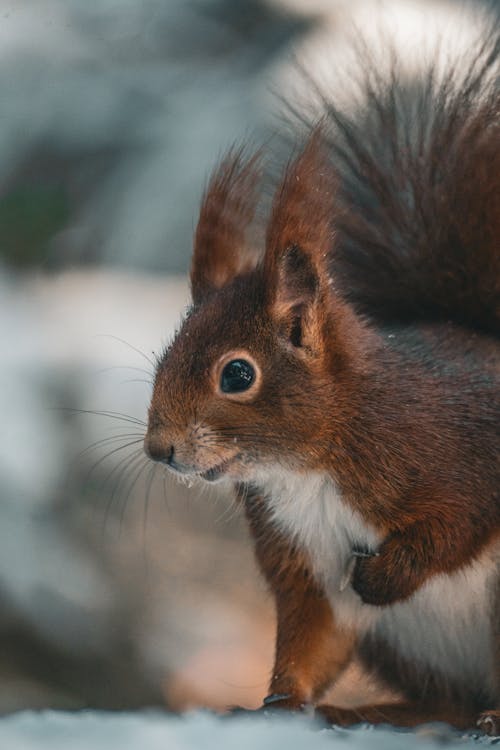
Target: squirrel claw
277,702
276,698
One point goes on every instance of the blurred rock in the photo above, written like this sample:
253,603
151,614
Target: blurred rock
112,116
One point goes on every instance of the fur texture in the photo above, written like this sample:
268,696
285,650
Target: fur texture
370,322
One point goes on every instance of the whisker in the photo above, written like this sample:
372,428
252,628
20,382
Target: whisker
120,416
125,367
137,380
132,456
146,559
134,476
146,504
236,431
126,343
112,453
165,496
108,440
225,441
122,478
75,461
229,512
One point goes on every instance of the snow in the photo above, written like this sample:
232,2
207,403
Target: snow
52,730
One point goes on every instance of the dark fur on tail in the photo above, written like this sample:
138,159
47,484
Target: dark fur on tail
418,220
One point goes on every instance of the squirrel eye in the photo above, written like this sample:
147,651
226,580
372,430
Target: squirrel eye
238,375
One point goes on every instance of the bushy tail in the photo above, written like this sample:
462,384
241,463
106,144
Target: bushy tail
418,225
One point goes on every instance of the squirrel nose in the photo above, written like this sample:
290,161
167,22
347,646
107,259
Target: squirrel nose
158,451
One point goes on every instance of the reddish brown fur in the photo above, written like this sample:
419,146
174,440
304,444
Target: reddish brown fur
220,246
367,383
399,714
313,654
401,412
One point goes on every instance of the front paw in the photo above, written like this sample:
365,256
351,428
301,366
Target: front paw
387,577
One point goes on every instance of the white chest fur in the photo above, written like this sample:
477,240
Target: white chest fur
445,625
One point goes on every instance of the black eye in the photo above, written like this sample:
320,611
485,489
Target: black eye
238,375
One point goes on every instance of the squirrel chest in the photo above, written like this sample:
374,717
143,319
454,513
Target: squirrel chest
444,626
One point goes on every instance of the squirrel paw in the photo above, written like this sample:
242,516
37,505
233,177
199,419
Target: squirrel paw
388,576
274,703
283,702
489,723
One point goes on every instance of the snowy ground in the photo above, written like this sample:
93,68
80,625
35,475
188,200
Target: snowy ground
59,731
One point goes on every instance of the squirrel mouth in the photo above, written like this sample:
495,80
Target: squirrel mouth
216,472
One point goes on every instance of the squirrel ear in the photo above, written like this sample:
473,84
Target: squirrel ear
299,239
227,209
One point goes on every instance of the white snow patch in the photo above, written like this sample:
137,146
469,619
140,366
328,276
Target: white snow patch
90,730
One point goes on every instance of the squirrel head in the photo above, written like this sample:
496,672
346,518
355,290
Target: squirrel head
247,379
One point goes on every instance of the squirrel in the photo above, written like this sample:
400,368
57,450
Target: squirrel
344,375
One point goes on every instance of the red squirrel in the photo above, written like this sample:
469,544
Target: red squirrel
345,377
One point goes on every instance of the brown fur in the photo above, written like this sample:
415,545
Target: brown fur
220,247
311,656
402,411
399,714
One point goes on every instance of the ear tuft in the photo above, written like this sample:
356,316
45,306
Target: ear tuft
299,239
227,210
304,204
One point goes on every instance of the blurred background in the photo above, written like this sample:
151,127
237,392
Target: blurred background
118,587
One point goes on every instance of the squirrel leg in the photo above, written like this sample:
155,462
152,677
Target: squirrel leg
397,714
311,650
